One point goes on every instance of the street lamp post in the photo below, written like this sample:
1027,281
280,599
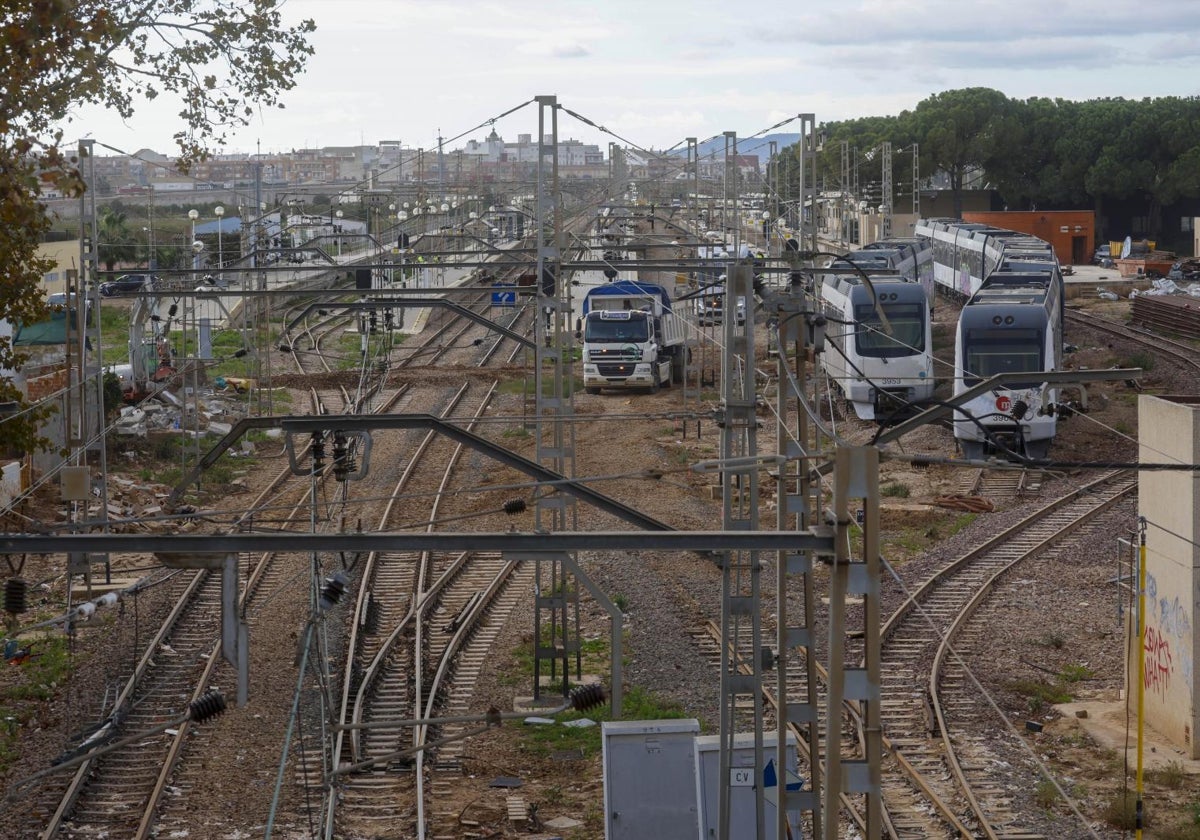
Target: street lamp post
766,220
339,232
193,215
401,218
220,213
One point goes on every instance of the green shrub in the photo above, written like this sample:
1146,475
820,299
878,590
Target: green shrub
1075,673
1040,692
1046,794
1121,811
1171,775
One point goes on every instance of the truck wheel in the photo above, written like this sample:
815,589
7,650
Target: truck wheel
592,391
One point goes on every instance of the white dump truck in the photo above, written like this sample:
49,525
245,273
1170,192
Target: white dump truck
631,337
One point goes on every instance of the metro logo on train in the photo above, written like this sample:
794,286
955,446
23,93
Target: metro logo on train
1003,404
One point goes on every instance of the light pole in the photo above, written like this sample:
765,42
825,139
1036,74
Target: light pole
766,220
151,263
197,248
220,213
193,215
339,232
401,218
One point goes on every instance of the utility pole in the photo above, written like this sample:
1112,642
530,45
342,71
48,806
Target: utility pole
916,182
441,169
808,183
556,596
885,209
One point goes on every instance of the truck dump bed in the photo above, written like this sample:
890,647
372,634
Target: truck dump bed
614,296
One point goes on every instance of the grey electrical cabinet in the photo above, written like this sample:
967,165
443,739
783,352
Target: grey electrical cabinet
742,782
649,779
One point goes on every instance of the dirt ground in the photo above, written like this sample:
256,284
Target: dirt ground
565,784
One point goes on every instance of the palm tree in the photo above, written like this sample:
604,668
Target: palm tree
117,242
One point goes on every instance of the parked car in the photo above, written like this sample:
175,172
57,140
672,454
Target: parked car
124,284
712,310
1103,255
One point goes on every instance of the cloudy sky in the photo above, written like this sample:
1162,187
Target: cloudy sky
653,72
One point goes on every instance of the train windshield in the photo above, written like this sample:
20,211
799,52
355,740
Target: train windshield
635,330
989,352
907,321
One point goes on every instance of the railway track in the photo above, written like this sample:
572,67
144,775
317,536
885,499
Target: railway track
143,790
936,762
121,792
423,626
920,630
999,483
1178,351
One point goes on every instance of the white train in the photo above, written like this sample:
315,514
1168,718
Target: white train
1012,322
911,258
883,376
964,253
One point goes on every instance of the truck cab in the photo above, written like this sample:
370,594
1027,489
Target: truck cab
631,337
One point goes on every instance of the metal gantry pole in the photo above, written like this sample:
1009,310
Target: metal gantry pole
729,194
556,613
808,182
843,191
856,476
87,310
693,178
885,225
798,507
741,622
916,181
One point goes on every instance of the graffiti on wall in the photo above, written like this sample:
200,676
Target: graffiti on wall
1168,640
1156,675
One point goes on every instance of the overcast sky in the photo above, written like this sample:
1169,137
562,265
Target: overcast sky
657,71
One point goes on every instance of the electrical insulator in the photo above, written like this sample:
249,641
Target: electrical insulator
15,594
514,506
343,461
318,452
333,590
586,697
207,706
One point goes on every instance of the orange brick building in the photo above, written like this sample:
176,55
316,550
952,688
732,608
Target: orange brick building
1072,233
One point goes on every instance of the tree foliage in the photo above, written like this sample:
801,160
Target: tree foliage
221,61
117,242
1037,152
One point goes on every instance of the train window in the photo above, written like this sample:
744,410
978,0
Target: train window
907,321
989,352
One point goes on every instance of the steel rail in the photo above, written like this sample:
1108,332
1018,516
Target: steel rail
1118,492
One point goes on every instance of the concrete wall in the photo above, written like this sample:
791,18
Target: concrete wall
13,481
1169,431
65,256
